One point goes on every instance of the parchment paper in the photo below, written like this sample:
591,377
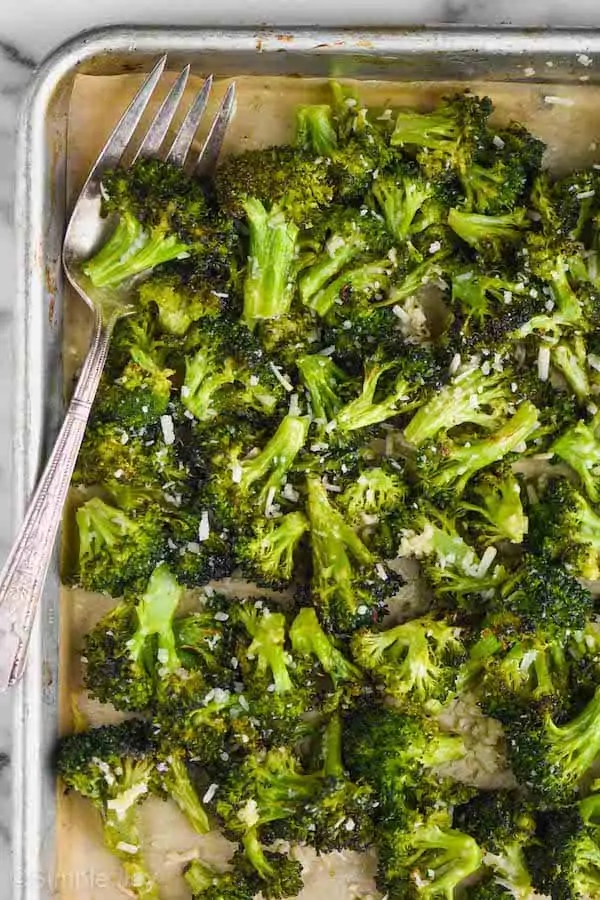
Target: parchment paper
570,126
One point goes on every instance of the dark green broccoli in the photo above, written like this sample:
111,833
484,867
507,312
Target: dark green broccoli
138,397
118,551
178,304
114,768
426,858
268,553
565,859
543,594
355,148
199,548
281,176
489,234
162,214
397,755
206,883
565,525
551,758
133,647
415,661
503,825
327,386
349,586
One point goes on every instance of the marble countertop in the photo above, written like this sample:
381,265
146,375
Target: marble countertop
30,29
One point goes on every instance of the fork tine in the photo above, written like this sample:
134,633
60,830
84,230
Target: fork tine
159,126
121,135
185,135
208,156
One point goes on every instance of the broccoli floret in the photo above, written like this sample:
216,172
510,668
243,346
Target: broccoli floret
542,593
263,790
240,482
565,525
415,661
511,672
426,858
565,859
132,647
114,768
388,389
174,779
110,453
308,639
341,132
118,551
342,815
375,504
327,386
178,305
206,883
281,176
397,754
138,397
498,507
344,261
269,552
579,447
488,234
268,285
470,398
503,825
447,467
162,216
349,587
488,307
455,129
408,202
199,548
449,562
552,759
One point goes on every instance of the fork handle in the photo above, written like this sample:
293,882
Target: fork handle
22,579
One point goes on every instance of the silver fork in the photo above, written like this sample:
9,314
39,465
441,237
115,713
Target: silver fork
22,579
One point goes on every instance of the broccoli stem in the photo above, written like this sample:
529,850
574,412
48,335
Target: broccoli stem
202,382
333,766
400,203
256,855
571,363
198,877
414,280
176,781
332,537
309,639
339,252
373,278
155,613
129,251
436,130
268,287
579,447
276,458
268,646
467,460
364,411
443,857
139,881
476,229
98,522
314,129
322,379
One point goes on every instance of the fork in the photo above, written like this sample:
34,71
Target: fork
23,576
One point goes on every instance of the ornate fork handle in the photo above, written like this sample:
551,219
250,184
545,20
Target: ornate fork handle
25,572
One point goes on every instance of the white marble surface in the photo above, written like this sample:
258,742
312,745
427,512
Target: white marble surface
29,29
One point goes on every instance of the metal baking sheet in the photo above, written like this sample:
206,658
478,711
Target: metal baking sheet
556,59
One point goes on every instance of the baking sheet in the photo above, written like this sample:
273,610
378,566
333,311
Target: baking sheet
566,118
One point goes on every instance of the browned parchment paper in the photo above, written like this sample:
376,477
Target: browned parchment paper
570,125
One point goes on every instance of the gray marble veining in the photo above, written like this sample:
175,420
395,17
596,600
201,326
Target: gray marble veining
31,28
